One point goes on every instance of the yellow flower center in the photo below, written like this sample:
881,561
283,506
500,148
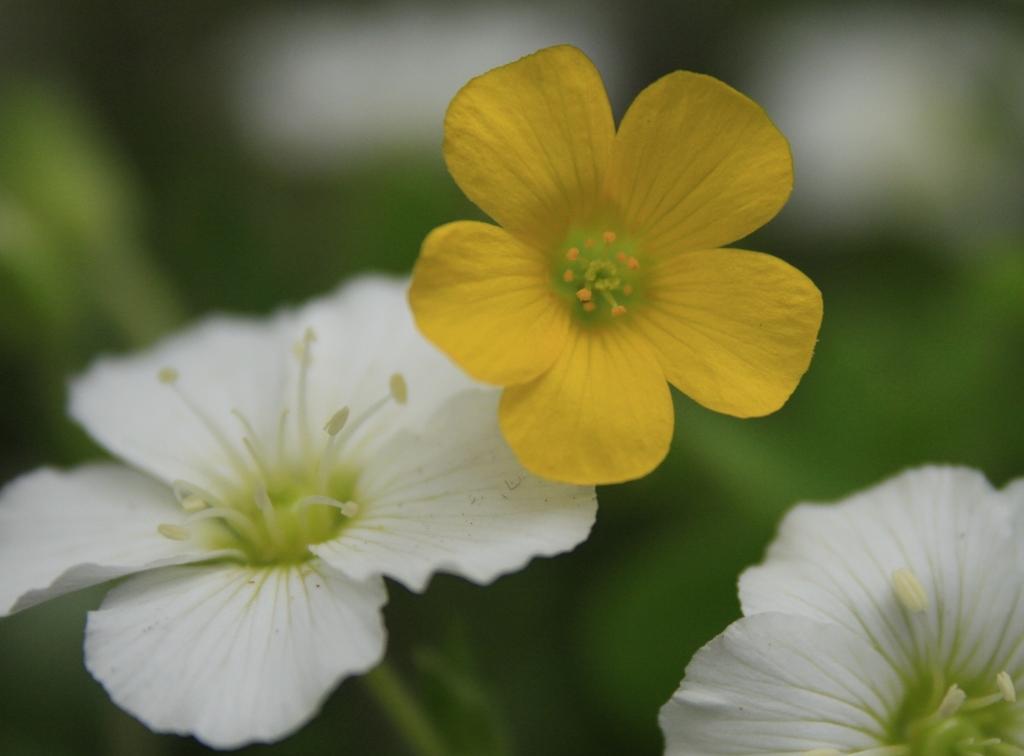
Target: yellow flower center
600,272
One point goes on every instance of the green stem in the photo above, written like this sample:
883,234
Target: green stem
405,711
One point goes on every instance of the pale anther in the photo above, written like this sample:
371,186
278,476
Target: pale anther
174,532
951,702
399,391
909,590
337,422
1005,684
167,375
193,503
349,509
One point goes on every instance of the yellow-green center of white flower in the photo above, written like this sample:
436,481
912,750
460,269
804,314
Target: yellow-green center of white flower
945,711
271,505
599,272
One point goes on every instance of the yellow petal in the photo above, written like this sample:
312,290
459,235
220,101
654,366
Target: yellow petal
732,329
697,165
601,414
485,298
529,142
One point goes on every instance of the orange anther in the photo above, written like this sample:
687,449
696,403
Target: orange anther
567,276
632,263
618,310
621,257
572,254
584,295
588,243
589,306
609,236
627,290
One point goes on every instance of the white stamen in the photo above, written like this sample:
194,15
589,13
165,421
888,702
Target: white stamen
399,391
262,500
233,517
304,353
207,422
282,428
822,752
257,457
348,508
174,532
193,503
951,702
909,590
183,489
253,445
337,422
1006,688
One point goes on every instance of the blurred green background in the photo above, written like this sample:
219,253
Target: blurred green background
163,160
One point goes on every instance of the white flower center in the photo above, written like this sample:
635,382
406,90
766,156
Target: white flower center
944,711
272,506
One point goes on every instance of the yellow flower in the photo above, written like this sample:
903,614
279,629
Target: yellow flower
606,277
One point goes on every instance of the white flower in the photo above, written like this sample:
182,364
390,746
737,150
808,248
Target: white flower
285,466
890,624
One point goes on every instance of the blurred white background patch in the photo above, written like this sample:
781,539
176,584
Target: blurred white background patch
314,88
903,119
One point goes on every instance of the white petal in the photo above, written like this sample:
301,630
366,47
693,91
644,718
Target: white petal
363,334
781,684
61,531
233,654
834,563
455,499
222,364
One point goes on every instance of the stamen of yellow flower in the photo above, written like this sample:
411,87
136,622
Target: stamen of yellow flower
584,295
951,702
632,263
589,306
627,290
909,590
567,276
1005,684
621,257
609,237
572,254
618,310
173,532
588,243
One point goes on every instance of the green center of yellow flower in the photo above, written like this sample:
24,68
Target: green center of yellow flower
600,272
275,503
